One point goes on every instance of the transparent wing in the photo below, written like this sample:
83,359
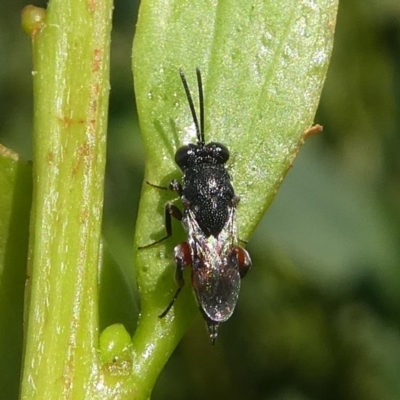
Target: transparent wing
217,291
215,268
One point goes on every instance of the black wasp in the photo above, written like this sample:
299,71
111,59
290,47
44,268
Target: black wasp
209,217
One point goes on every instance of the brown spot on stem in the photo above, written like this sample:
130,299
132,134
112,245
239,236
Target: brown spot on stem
92,5
66,121
97,58
313,131
50,157
83,154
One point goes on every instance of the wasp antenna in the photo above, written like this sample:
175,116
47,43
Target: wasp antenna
200,138
201,103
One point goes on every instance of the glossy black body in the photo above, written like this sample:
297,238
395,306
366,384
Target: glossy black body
209,202
207,187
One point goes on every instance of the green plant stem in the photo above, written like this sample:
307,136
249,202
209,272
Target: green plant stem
71,85
15,203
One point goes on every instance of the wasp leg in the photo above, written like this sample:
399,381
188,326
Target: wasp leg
174,186
170,211
156,186
182,260
243,260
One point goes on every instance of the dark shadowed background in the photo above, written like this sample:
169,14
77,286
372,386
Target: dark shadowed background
319,314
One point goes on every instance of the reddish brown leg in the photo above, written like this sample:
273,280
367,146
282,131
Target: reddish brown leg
244,260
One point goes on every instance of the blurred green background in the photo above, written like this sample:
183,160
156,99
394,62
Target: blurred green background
319,314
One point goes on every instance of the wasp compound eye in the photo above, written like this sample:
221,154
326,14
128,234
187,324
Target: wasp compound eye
183,155
220,153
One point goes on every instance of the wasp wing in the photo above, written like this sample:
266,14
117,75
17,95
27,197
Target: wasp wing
217,291
215,269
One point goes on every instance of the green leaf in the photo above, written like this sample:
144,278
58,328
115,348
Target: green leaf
263,65
15,204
